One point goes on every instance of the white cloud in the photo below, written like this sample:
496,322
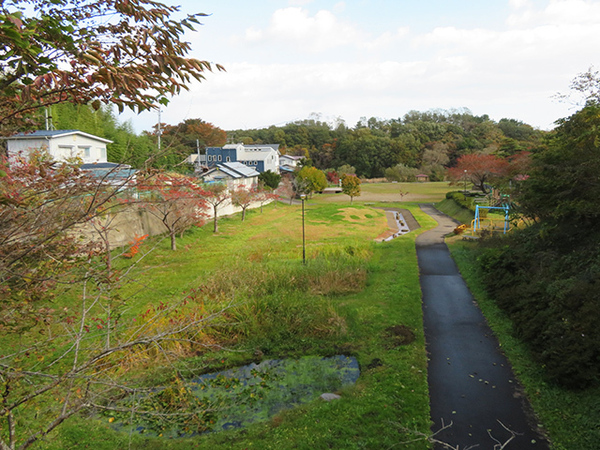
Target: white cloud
318,33
295,26
556,12
317,62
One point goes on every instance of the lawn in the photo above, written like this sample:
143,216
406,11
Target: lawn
353,297
430,192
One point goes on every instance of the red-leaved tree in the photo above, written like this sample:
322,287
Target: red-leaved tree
479,169
242,197
176,200
121,52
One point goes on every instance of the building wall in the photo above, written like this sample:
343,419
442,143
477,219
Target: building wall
216,155
261,160
60,148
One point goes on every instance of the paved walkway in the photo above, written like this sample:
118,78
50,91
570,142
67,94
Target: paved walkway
471,384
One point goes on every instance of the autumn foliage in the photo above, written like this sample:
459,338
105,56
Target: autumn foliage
479,169
176,200
126,53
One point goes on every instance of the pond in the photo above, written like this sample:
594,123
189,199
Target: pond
238,397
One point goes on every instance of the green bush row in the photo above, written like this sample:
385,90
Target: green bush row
549,287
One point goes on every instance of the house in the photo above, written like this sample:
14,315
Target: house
61,145
261,157
422,177
198,161
288,163
233,173
121,175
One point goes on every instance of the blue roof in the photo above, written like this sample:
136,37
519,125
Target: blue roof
44,133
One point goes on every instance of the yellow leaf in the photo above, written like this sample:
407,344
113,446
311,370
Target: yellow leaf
111,420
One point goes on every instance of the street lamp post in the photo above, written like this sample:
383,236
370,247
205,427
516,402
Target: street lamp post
303,197
465,178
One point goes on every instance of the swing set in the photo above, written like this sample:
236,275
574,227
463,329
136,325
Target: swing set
487,223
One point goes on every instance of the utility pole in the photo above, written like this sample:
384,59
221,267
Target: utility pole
198,162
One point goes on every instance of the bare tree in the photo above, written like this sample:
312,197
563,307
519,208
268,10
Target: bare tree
59,361
216,195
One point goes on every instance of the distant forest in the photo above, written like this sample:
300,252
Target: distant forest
427,142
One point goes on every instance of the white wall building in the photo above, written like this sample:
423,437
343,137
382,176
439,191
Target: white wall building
61,145
233,174
261,157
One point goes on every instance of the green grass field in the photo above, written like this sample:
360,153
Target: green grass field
353,297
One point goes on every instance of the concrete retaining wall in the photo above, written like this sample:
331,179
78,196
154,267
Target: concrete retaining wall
134,220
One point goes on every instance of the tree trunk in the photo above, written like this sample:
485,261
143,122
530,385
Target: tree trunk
173,241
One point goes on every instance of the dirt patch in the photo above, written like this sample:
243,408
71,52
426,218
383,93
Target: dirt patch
398,335
355,214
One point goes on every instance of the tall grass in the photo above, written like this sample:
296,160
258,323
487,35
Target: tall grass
345,299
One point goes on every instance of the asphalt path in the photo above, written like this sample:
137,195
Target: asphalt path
471,383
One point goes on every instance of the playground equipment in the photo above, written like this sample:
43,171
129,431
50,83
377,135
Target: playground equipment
487,223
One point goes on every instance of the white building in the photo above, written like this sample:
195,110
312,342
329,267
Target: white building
260,157
234,174
61,145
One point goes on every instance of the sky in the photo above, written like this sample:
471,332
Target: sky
289,60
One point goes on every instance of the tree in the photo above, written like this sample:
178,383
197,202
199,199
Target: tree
57,362
435,158
545,275
346,169
270,179
480,169
242,197
264,196
563,185
216,195
351,186
189,137
400,172
41,203
176,200
312,179
130,54
286,189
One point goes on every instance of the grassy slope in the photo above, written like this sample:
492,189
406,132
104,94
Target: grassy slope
570,418
391,394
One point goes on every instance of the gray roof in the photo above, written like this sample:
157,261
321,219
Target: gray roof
109,171
235,170
263,147
55,133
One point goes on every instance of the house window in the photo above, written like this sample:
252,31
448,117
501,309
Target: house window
210,157
86,151
219,157
228,159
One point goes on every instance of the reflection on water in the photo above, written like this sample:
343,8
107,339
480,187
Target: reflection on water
256,392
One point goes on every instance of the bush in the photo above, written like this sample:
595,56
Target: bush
551,295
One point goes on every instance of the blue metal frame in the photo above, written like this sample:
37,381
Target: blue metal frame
477,221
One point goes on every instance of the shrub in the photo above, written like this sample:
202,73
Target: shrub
551,295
